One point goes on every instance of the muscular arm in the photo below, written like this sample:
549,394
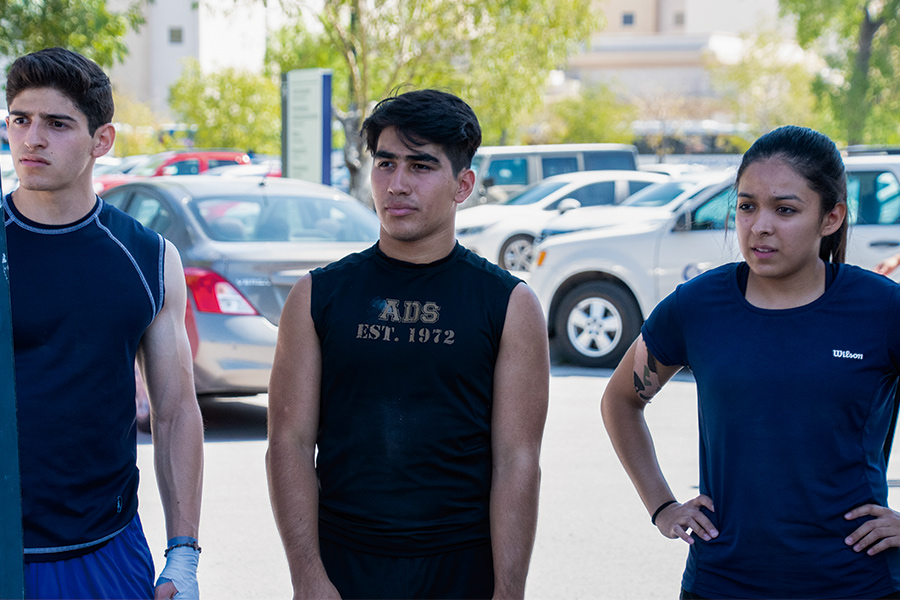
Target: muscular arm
165,356
635,382
294,390
521,389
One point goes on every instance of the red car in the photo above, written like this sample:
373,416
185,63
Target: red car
174,162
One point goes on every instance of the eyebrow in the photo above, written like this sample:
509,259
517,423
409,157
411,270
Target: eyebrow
776,198
419,157
45,116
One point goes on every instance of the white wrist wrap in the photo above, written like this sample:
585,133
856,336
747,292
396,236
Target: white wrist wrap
181,570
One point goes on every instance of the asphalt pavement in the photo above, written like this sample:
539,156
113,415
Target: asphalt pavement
594,537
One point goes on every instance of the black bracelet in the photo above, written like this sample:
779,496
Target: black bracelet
193,545
660,509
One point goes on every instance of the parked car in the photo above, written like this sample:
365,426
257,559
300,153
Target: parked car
598,286
8,179
244,244
665,195
108,165
505,232
256,169
173,162
503,171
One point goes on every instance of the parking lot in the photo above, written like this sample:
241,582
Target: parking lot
594,537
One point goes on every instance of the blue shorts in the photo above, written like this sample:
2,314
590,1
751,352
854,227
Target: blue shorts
122,569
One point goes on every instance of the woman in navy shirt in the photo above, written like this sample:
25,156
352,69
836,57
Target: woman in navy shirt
796,358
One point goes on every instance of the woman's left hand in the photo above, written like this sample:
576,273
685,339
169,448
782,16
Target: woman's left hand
877,534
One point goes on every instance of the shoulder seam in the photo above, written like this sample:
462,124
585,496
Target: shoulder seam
134,263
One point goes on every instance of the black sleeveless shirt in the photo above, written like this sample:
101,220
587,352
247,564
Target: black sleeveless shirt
404,439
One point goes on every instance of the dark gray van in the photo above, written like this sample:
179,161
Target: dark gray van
501,171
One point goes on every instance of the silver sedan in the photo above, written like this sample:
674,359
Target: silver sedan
244,242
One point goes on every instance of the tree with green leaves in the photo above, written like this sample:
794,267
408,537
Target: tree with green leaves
859,40
85,26
595,114
137,127
495,55
771,85
230,108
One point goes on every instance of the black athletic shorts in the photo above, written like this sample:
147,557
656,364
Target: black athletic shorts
466,573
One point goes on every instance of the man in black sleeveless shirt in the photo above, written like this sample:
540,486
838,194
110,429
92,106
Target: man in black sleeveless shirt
409,391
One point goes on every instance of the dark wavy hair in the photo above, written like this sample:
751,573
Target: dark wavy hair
72,75
813,156
428,117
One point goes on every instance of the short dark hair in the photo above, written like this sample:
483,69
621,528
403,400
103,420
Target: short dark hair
79,79
428,117
813,156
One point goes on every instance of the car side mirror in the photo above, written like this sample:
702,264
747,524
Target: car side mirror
567,204
487,182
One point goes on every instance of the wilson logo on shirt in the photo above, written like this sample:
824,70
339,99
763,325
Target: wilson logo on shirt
846,354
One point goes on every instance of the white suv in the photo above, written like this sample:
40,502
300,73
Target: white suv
504,233
598,286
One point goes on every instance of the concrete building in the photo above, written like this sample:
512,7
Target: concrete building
217,33
656,46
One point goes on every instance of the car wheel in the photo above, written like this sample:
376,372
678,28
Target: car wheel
596,323
515,255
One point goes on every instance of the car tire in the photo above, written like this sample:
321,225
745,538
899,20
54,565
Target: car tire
515,255
596,323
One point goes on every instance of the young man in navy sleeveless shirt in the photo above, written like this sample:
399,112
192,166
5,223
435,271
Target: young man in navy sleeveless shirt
409,390
91,291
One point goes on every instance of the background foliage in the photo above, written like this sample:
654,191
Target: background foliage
86,26
771,86
860,42
495,55
595,114
137,128
230,108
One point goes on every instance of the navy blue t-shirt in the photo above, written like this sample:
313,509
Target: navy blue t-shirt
82,296
794,408
404,440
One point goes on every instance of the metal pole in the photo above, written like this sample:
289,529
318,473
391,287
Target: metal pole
12,584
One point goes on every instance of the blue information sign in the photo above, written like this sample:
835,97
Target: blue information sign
306,125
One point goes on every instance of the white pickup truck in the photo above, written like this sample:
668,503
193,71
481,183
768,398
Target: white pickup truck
598,286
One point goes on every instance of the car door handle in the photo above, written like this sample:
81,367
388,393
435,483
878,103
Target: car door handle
884,244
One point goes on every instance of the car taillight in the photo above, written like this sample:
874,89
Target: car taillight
213,294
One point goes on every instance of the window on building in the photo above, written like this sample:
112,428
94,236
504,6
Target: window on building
628,19
176,35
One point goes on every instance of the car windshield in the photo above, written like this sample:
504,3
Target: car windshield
535,193
148,168
658,194
285,218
